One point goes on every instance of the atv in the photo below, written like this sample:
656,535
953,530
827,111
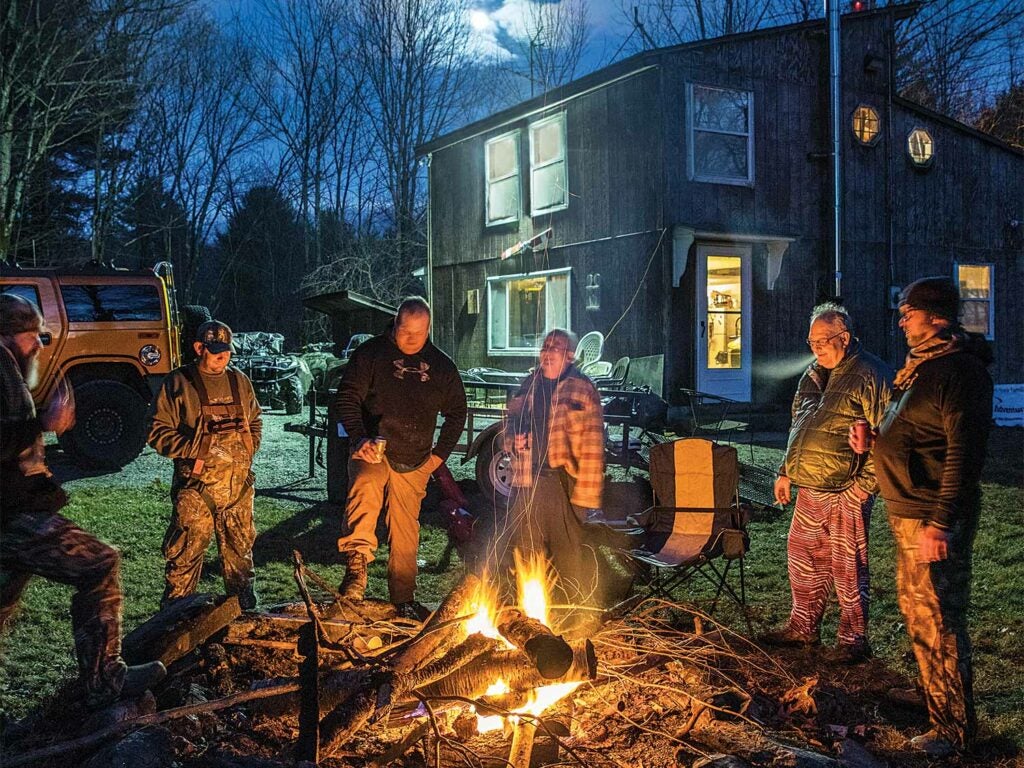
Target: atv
280,380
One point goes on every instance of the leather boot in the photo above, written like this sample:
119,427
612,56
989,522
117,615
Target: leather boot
353,586
141,677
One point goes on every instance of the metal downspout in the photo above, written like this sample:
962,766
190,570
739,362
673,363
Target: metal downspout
430,238
835,92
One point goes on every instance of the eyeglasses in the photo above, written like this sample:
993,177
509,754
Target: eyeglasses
817,344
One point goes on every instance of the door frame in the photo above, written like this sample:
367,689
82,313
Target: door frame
740,388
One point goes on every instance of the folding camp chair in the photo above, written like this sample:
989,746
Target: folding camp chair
696,521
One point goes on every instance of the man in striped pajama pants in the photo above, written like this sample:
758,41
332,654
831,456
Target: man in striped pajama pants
828,538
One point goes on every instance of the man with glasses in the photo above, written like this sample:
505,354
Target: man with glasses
828,538
929,454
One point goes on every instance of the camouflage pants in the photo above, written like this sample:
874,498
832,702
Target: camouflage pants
933,598
51,546
194,522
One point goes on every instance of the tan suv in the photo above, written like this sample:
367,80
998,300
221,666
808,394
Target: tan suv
114,334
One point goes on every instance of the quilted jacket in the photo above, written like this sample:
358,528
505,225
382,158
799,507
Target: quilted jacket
817,455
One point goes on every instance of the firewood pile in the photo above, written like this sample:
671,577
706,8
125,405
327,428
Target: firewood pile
333,683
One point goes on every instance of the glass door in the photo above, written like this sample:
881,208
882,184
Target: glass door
723,321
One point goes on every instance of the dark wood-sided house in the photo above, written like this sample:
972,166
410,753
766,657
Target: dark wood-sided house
680,203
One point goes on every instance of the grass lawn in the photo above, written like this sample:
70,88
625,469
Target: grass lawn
37,652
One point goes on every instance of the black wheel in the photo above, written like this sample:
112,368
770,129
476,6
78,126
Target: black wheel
192,316
494,468
292,394
110,425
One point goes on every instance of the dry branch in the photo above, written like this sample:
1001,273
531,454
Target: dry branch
441,630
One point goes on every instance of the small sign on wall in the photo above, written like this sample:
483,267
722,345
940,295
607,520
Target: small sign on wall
473,301
1008,405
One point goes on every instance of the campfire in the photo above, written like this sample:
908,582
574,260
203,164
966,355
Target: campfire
490,679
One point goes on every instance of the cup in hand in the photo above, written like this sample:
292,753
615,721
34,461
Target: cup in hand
860,436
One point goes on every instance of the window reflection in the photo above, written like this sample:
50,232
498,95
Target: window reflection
724,320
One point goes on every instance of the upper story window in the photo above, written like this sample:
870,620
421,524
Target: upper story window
549,186
867,127
522,308
720,124
920,147
976,298
501,162
109,303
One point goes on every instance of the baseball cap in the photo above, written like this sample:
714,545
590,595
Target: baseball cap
215,336
937,295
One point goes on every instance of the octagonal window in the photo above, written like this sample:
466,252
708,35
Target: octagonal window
867,127
920,147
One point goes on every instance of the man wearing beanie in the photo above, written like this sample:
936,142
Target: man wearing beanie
35,540
928,459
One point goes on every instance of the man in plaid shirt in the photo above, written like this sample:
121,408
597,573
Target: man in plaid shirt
556,429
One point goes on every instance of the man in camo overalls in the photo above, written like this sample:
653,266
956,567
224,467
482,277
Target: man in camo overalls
206,417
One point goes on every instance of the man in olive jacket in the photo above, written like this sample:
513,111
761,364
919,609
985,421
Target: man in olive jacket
929,454
828,538
207,418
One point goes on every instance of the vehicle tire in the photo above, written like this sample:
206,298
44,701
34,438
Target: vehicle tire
494,469
110,425
292,394
192,316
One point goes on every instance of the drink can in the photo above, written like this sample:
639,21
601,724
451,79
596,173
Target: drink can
379,444
861,436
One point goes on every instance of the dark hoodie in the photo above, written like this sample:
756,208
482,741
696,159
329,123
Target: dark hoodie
931,442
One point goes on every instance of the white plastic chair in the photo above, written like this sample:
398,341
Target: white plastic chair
589,349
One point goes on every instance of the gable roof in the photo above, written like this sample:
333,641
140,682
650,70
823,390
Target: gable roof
632,66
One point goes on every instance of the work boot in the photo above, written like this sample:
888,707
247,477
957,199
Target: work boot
412,611
852,653
353,586
141,677
933,745
789,638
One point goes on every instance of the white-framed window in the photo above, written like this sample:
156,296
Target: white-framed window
720,129
549,181
501,166
522,308
977,297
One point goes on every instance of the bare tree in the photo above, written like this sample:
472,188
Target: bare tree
955,53
548,42
659,23
307,95
197,129
414,56
66,67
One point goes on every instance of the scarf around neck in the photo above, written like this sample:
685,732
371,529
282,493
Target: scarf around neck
944,343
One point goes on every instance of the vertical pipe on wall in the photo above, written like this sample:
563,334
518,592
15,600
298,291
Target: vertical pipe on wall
430,237
835,93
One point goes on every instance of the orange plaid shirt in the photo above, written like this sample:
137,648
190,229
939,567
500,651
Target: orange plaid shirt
575,435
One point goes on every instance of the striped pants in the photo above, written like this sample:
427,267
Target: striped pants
828,547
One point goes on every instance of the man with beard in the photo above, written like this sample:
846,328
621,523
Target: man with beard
37,541
928,455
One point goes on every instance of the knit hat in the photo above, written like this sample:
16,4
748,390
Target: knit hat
215,336
938,295
18,315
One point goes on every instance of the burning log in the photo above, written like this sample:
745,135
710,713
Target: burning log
514,667
522,743
549,653
441,631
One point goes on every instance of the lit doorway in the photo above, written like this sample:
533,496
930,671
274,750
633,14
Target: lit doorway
723,321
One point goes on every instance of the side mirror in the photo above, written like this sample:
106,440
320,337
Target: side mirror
45,338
